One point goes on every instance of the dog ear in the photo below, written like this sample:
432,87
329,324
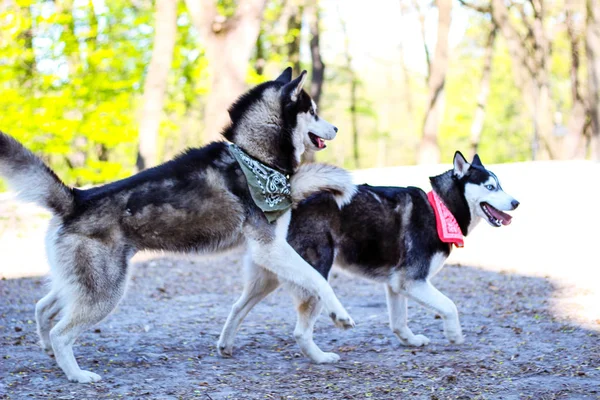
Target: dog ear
294,88
286,76
477,161
461,165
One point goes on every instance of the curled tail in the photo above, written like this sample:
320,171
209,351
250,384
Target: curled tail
32,179
312,178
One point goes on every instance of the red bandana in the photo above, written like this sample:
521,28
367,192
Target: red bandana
447,227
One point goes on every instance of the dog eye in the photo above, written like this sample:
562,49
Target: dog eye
489,187
312,112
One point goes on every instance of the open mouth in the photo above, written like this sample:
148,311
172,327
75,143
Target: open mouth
317,141
495,216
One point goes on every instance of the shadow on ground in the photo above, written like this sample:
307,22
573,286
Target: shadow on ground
160,342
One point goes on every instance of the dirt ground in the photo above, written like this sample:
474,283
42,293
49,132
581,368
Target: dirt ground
160,342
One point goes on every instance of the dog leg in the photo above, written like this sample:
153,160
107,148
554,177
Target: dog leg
259,283
45,311
397,309
281,259
309,309
427,295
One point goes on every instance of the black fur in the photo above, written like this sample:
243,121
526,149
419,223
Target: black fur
370,233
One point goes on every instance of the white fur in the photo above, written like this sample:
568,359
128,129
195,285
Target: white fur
280,258
311,178
428,296
497,198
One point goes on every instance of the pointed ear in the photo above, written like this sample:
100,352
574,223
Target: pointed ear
286,76
461,165
293,88
477,161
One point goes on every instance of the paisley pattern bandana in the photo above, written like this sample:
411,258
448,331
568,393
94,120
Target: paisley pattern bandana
270,189
447,226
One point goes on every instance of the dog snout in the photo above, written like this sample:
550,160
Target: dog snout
514,204
335,129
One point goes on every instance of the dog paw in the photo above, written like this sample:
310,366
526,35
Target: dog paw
47,349
416,341
225,350
343,322
455,337
84,377
326,358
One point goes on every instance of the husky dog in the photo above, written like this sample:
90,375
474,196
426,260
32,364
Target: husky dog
200,201
385,234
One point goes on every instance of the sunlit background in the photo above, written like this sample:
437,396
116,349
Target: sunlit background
101,88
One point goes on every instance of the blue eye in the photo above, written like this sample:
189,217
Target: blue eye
489,187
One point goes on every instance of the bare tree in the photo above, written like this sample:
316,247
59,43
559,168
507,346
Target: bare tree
592,45
229,43
484,91
353,95
529,49
318,66
573,145
429,151
294,25
155,86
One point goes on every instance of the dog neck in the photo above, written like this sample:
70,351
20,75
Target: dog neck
267,144
448,188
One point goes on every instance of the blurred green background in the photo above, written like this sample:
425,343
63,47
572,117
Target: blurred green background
94,85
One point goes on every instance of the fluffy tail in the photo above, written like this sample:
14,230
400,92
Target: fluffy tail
32,179
312,178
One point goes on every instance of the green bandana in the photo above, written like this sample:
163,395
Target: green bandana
270,189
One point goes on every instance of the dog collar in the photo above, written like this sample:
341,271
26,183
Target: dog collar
270,189
447,227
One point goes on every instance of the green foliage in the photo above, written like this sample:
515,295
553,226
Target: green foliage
72,75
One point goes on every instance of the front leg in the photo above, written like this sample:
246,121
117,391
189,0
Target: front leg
281,259
258,284
427,295
398,312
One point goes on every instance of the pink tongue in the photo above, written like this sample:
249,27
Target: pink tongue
505,218
320,143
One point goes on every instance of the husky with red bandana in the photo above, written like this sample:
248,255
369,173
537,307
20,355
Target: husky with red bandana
397,236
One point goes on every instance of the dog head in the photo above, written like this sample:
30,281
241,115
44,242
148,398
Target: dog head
277,121
482,191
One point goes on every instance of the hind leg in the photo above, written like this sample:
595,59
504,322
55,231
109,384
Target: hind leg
397,309
80,314
97,279
309,308
259,284
45,311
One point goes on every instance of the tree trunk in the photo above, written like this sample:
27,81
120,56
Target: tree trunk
229,44
353,96
318,67
429,152
484,91
294,25
573,144
155,86
530,70
592,45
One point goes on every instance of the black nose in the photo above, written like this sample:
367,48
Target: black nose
514,204
335,129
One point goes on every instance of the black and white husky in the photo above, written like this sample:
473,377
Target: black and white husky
199,201
389,235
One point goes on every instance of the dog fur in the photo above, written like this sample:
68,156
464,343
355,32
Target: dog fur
197,202
385,234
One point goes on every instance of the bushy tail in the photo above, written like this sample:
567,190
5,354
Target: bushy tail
32,179
312,178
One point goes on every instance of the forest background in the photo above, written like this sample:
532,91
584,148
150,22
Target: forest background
101,88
